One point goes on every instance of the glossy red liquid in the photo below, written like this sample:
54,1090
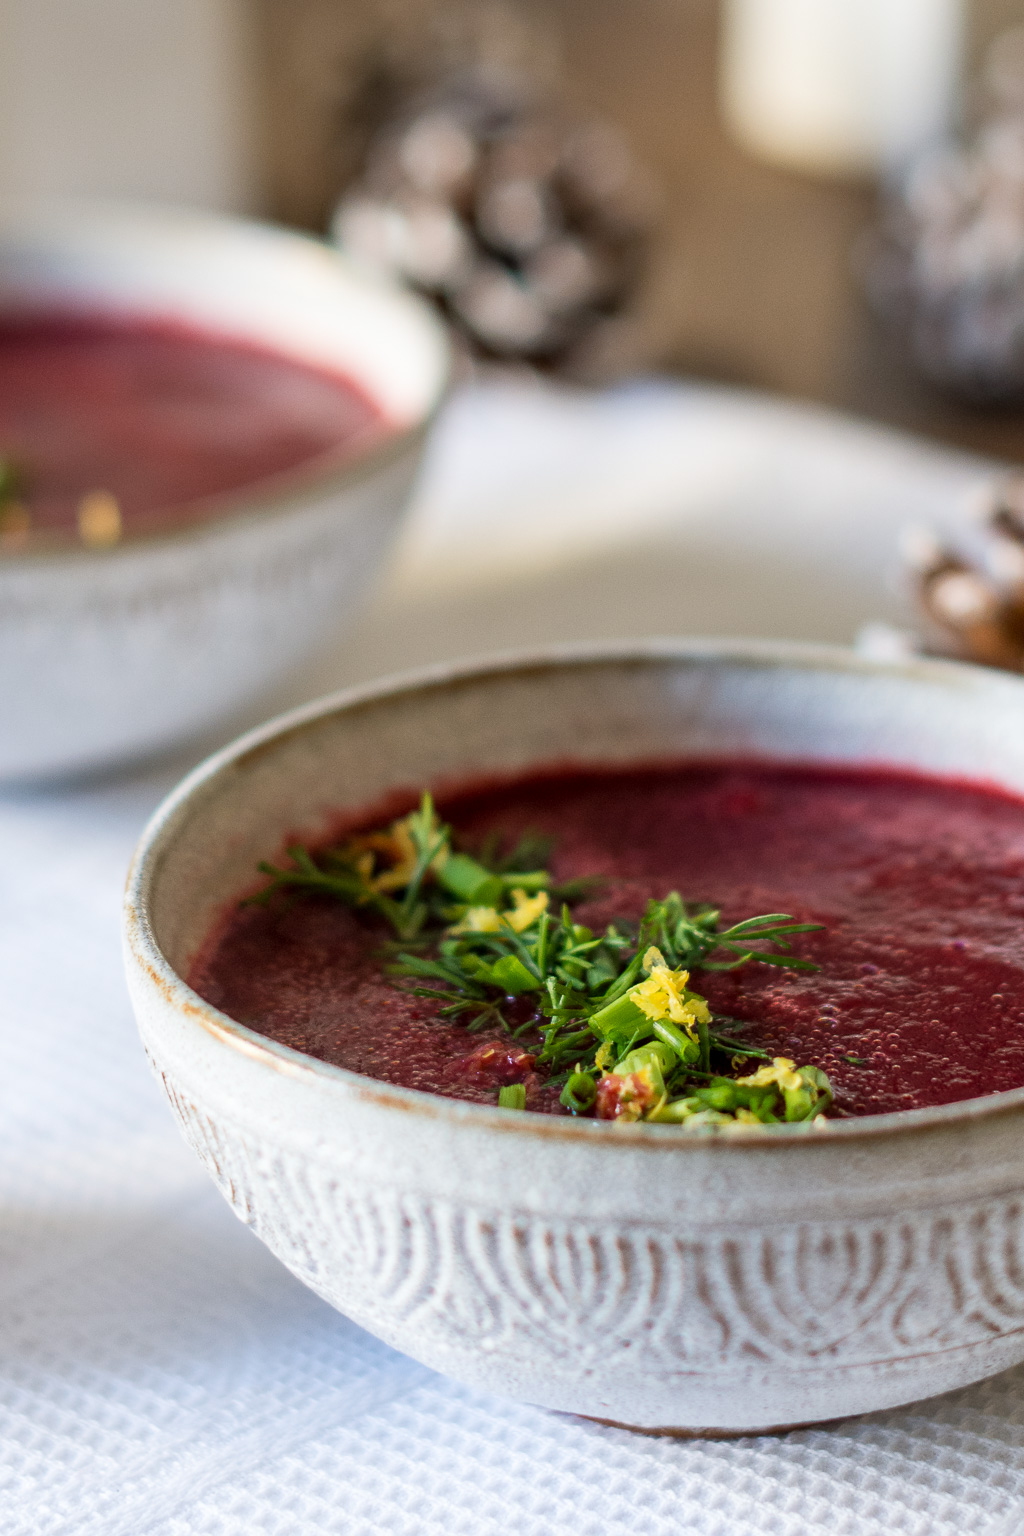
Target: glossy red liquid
919,882
168,419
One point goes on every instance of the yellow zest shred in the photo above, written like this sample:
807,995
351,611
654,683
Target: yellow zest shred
396,849
400,848
605,1054
524,913
782,1073
363,865
663,995
526,909
479,920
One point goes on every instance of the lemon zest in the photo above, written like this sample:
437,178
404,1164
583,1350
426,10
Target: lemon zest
605,1054
524,913
398,845
479,920
663,995
526,909
782,1073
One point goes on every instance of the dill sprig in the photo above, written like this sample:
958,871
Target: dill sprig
11,481
615,1024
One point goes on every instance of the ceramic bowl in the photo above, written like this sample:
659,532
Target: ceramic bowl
635,1273
111,653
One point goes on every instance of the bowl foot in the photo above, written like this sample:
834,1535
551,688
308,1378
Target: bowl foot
711,1434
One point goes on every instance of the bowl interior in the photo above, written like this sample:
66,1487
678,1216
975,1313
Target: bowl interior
779,703
249,280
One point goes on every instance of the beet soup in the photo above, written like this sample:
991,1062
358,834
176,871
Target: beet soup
128,423
565,948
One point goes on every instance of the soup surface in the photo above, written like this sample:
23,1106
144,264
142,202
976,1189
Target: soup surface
161,417
919,884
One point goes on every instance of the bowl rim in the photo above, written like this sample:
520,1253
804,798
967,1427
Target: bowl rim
141,944
274,496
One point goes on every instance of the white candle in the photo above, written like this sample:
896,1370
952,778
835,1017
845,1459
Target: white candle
840,87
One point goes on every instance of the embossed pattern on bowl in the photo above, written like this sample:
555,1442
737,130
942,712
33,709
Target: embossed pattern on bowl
632,1273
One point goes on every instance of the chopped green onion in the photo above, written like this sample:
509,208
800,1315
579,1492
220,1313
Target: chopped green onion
579,1093
469,881
620,1020
510,974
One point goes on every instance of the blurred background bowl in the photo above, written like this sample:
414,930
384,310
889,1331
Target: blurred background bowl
114,653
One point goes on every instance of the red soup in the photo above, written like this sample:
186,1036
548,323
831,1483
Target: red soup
162,420
917,998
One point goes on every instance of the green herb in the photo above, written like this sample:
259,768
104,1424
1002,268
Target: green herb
616,1024
11,487
15,517
855,1061
579,1092
414,857
689,938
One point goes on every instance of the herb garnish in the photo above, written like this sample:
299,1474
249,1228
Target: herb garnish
15,519
10,481
617,1025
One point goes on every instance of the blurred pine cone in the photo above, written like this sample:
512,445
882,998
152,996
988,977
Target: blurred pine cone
530,231
972,603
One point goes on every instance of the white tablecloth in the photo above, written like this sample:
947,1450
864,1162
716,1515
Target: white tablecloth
161,1373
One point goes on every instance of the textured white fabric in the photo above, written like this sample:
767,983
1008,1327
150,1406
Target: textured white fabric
162,1375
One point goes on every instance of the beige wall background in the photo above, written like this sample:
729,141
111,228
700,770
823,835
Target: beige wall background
235,103
648,63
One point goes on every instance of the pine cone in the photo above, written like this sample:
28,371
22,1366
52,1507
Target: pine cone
529,231
974,608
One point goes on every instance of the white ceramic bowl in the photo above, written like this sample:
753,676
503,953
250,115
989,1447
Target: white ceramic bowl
631,1272
111,653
